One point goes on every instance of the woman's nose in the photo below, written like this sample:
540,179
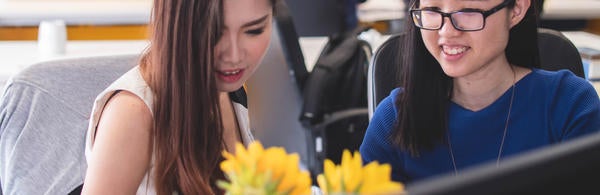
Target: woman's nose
231,50
448,28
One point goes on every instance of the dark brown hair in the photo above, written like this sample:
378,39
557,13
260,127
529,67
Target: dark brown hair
178,66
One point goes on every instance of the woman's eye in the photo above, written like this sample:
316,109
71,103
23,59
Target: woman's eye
257,31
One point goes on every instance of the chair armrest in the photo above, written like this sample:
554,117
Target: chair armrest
340,115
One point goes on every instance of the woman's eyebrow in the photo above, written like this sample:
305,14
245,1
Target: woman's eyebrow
257,21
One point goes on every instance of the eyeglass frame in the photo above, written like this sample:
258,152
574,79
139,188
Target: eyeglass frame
485,14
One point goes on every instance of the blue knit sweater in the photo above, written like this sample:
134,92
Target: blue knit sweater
548,107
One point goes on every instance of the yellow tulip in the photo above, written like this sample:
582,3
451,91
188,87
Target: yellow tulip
228,166
303,184
273,159
263,171
333,176
352,178
255,150
374,174
242,155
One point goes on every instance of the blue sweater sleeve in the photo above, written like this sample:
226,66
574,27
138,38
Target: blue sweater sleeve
377,144
577,108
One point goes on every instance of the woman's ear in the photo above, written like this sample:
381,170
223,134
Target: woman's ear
518,12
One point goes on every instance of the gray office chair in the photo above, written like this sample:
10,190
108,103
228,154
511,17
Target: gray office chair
43,121
556,52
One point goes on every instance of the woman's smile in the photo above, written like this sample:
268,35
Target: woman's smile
453,52
230,76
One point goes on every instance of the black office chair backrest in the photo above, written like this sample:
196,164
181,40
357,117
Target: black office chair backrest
556,52
382,76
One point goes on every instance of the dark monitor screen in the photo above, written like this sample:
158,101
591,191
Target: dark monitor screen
571,167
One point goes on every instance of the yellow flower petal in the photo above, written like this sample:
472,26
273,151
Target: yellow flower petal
228,155
273,159
322,183
377,180
255,149
350,177
303,184
351,171
257,170
227,166
242,155
333,175
291,173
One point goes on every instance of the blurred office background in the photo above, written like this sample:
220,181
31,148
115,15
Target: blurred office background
116,27
127,19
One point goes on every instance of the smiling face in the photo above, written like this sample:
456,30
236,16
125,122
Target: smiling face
465,53
244,40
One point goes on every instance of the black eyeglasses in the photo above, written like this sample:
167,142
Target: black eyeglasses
468,19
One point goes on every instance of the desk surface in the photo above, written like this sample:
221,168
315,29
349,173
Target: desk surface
583,39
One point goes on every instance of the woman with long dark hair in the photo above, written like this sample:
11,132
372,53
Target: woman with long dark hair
472,92
162,126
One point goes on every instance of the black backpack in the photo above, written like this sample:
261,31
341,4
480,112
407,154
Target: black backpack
335,99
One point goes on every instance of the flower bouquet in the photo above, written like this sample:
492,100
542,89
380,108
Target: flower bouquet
352,178
257,171
271,171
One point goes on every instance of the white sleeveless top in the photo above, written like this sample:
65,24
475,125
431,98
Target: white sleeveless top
133,82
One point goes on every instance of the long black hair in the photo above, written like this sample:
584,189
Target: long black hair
422,119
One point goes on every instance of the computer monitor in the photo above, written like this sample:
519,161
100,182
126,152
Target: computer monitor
570,167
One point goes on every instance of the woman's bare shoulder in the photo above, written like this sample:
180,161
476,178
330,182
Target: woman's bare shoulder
122,151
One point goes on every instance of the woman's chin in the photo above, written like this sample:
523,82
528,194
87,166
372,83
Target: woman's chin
228,87
451,72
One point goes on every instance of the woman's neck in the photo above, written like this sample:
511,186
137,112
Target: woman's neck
231,134
479,90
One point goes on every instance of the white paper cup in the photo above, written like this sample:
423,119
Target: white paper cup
52,38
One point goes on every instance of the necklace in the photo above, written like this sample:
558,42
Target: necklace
512,96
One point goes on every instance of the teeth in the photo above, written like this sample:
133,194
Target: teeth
455,50
231,72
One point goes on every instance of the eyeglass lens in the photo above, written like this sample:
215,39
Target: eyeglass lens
460,20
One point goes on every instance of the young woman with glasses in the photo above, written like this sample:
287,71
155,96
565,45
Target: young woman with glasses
472,92
161,128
